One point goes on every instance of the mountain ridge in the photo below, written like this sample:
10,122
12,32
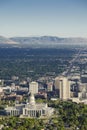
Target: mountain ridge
49,38
42,41
4,40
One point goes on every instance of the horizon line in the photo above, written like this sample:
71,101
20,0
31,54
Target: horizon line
43,36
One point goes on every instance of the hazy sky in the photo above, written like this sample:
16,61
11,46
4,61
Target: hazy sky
64,18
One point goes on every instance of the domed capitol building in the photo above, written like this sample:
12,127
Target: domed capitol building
30,109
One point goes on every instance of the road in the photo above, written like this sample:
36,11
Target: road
77,57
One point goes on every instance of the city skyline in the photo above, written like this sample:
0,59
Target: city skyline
43,17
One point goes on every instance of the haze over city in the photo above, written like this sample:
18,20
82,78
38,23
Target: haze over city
63,18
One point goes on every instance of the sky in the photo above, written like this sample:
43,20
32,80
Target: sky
62,18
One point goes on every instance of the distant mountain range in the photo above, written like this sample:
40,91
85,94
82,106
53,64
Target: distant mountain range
6,42
38,42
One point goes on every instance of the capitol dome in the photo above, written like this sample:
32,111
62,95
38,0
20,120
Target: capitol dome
32,99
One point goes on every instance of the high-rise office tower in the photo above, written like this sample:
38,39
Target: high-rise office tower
33,87
64,88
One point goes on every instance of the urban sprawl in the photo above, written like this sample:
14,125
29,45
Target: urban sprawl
24,97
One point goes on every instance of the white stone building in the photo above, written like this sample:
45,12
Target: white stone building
31,109
34,109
